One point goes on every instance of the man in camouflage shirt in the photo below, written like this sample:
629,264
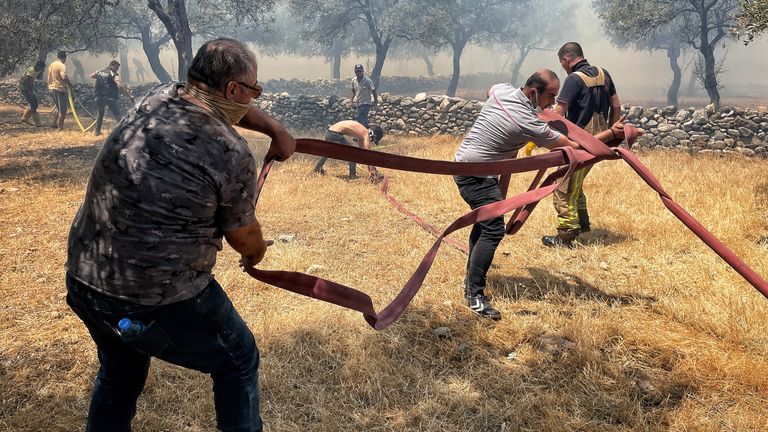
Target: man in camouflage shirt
170,182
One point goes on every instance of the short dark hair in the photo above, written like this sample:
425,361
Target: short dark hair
220,61
377,133
40,65
541,79
114,63
61,55
570,49
359,66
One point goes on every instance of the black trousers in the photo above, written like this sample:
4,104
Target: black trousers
114,108
486,235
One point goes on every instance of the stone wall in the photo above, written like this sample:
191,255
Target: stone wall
703,130
696,130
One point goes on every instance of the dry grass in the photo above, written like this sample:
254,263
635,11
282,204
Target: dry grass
641,328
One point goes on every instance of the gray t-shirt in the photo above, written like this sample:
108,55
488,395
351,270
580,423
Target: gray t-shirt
363,91
507,122
169,180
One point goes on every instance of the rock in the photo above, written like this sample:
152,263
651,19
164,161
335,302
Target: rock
700,116
604,265
553,344
464,349
512,356
652,123
666,127
286,238
420,97
669,110
443,333
314,268
669,141
635,112
745,132
678,134
710,108
745,151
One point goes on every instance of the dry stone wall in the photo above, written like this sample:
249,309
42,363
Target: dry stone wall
695,130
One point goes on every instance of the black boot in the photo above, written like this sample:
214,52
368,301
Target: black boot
584,220
480,305
562,239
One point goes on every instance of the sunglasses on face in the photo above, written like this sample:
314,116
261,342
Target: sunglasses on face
255,89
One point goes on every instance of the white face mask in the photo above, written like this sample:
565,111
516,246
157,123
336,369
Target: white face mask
535,102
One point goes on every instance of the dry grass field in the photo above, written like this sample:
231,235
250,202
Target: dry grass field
640,328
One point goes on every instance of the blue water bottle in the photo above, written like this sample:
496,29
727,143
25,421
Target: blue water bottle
129,328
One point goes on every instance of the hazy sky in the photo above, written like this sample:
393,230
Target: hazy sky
639,75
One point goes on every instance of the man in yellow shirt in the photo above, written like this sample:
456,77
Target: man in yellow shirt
57,85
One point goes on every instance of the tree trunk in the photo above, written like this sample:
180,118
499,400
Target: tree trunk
152,51
522,54
673,52
336,63
710,75
430,66
458,48
125,77
176,23
42,54
381,55
691,89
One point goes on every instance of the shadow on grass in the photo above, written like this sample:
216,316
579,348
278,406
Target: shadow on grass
543,285
407,378
50,165
602,237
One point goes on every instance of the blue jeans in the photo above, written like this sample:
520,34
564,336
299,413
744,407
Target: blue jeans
362,114
486,235
204,333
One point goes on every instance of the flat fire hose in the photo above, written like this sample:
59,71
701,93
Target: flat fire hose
74,111
566,160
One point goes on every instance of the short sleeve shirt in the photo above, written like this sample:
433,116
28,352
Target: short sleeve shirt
506,123
582,101
363,91
169,180
56,73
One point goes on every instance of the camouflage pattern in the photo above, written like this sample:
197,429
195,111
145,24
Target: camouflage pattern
169,180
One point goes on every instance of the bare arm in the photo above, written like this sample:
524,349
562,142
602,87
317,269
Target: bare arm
283,144
616,131
615,109
93,75
563,141
561,108
249,242
375,98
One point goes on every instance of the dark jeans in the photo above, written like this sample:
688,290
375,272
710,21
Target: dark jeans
486,235
362,114
341,139
31,98
204,333
114,108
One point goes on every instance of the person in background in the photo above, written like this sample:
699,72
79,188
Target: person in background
364,95
27,89
79,75
350,128
57,85
589,100
107,91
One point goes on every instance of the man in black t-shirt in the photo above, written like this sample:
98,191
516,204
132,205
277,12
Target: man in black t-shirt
588,98
107,91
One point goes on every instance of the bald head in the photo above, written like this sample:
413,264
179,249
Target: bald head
542,87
